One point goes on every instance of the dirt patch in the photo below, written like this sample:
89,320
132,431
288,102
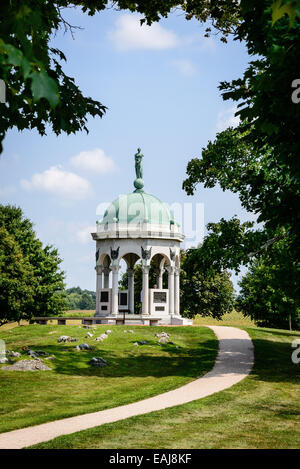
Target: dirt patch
27,365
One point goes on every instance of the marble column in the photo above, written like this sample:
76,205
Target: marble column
159,274
130,273
170,270
145,302
177,291
99,270
115,290
106,272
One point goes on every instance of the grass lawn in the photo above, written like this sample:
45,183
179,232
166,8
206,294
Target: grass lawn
262,411
234,319
74,387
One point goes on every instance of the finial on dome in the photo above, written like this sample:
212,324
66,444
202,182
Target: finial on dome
138,182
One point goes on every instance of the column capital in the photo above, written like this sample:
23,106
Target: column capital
99,269
170,269
177,270
130,271
106,270
115,268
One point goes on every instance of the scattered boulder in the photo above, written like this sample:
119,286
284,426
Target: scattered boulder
162,334
28,365
3,360
66,338
163,340
89,334
98,361
131,331
100,339
135,344
14,354
103,336
85,347
108,331
32,354
143,342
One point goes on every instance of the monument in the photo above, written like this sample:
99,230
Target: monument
138,227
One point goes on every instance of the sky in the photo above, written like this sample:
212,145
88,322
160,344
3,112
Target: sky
160,85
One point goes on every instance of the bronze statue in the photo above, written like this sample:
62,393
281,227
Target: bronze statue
138,164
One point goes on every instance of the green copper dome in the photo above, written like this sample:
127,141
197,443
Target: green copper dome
138,207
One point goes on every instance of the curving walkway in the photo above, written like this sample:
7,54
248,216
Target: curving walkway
234,362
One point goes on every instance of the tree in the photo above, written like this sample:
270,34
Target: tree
38,90
269,290
36,273
17,281
80,299
202,291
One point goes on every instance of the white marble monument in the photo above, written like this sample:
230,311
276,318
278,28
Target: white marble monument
138,227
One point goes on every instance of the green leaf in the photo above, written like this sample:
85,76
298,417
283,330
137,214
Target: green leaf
43,86
278,10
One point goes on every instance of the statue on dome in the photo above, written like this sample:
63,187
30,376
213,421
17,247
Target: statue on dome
138,164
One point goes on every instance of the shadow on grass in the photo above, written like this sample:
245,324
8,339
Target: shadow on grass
178,362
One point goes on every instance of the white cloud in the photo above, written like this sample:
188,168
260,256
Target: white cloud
95,161
84,234
227,119
185,67
59,182
129,34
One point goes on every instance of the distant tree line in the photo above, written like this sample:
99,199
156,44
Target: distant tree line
80,299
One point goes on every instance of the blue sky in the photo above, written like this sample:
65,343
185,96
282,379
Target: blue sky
160,87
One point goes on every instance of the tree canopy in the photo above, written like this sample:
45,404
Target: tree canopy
31,282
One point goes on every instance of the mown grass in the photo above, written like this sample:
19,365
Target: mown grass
74,387
262,411
234,319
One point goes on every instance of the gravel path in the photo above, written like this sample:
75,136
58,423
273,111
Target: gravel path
234,362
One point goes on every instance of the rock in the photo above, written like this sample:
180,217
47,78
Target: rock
42,353
103,336
28,365
14,354
131,331
162,334
163,340
143,342
108,331
77,348
98,361
135,344
49,358
100,339
32,354
3,360
25,348
85,347
66,338
89,334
